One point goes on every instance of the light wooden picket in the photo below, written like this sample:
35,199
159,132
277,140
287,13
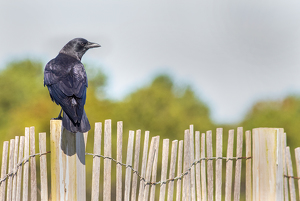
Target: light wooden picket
219,148
96,162
119,158
136,164
229,164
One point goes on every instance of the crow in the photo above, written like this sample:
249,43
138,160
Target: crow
67,83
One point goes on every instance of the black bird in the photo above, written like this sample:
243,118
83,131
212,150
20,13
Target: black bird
67,82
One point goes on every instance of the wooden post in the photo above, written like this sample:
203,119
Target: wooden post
268,164
67,163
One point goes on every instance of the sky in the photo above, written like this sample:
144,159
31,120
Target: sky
233,53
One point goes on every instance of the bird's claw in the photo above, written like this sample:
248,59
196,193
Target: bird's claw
57,118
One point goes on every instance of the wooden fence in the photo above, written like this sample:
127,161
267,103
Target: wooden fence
189,170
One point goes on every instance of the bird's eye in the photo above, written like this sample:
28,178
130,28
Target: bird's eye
83,44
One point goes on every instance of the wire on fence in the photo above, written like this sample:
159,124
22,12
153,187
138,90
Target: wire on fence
133,170
287,176
171,179
14,172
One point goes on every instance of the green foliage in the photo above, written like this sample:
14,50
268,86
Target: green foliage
21,85
160,110
279,114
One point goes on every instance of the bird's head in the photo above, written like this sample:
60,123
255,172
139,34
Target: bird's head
77,47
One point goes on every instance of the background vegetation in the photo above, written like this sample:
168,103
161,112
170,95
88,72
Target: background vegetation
161,107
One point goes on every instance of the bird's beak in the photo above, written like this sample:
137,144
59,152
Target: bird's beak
92,45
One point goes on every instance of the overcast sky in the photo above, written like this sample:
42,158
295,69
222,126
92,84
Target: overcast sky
232,53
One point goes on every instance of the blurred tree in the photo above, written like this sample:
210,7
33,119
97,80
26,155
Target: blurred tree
279,114
21,86
163,111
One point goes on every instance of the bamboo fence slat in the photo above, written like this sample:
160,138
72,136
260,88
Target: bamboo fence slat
192,158
10,169
129,163
286,188
164,166
107,162
203,168
210,170
290,173
297,156
248,167
238,164
144,165
219,149
186,193
43,167
96,162
149,167
19,173
197,157
4,169
229,163
172,170
119,158
33,183
136,164
14,184
154,170
179,170
26,166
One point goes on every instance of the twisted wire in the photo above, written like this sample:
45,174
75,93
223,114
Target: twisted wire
26,160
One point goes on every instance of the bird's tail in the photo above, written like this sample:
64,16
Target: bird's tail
82,127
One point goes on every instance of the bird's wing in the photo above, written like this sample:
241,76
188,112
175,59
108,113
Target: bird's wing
67,87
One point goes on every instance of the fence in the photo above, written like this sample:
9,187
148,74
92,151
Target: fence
193,172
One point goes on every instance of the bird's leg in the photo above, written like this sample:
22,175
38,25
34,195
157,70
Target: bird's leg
59,116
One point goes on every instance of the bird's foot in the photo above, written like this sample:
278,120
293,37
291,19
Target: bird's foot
57,118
